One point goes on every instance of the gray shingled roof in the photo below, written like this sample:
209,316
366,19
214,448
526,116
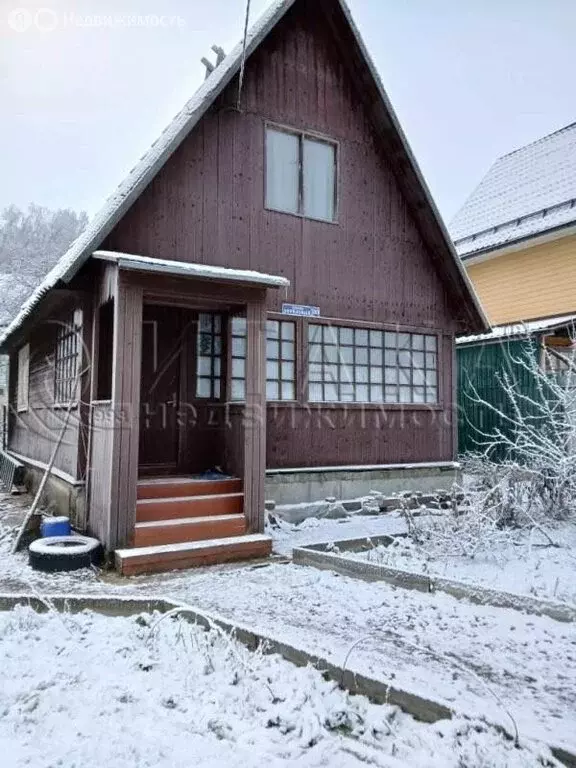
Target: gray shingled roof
524,194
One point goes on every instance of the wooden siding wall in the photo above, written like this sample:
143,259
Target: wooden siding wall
101,446
528,284
207,206
32,433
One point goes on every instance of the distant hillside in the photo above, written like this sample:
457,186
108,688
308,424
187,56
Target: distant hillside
31,242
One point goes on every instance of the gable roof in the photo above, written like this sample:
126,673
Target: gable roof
406,168
526,193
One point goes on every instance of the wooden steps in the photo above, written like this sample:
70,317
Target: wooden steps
168,557
183,522
188,506
188,529
163,488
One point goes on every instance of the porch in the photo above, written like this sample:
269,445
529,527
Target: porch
177,426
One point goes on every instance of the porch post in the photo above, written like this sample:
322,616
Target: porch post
126,409
255,415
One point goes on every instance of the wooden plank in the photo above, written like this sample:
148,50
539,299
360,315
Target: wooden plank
189,506
163,488
189,529
255,416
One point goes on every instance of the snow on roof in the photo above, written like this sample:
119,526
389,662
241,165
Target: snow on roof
203,271
525,193
519,329
175,133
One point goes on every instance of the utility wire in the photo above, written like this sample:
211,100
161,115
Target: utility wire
243,64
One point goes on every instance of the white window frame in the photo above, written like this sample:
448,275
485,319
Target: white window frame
311,136
23,384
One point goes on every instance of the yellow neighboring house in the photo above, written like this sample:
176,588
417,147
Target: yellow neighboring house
516,233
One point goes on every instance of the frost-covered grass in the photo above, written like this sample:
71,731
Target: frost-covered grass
86,691
522,561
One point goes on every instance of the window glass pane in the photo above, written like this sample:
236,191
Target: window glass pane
272,351
272,390
403,341
329,334
417,341
390,340
204,387
418,359
315,371
405,395
204,366
361,374
238,368
288,350
205,322
404,359
331,373
288,392
404,376
238,347
272,329
272,369
346,336
347,354
361,356
239,326
315,353
315,393
330,393
431,343
361,338
346,374
314,332
347,393
288,331
418,395
375,357
391,375
431,395
331,354
282,172
375,338
362,393
288,371
204,344
376,393
431,378
390,357
238,389
430,360
217,389
375,375
419,377
319,178
391,394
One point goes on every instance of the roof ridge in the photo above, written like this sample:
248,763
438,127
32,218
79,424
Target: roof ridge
536,141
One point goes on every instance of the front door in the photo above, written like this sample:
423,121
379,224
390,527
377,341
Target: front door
162,347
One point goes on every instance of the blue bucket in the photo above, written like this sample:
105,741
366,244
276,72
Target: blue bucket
55,526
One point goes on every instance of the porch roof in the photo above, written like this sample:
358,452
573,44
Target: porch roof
186,269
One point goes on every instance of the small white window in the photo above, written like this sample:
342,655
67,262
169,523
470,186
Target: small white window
23,378
300,174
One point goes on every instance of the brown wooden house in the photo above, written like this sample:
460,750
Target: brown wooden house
270,294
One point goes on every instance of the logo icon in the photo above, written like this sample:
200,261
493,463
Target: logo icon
20,19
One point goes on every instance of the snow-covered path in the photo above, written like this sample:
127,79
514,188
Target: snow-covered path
479,659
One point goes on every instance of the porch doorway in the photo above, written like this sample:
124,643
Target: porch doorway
181,398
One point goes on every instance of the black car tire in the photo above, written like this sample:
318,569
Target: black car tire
63,553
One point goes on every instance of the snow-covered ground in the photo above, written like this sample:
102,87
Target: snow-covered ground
85,691
481,660
524,562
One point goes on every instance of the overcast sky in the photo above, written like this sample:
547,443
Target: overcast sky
469,79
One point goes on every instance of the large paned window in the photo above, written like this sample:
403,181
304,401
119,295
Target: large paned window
280,359
66,360
358,365
209,356
23,378
300,174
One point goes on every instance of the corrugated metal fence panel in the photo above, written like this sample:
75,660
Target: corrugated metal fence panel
481,368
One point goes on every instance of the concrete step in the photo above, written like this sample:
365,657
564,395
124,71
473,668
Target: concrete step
148,510
169,557
164,487
157,532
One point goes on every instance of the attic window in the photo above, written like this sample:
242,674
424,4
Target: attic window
300,174
66,360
